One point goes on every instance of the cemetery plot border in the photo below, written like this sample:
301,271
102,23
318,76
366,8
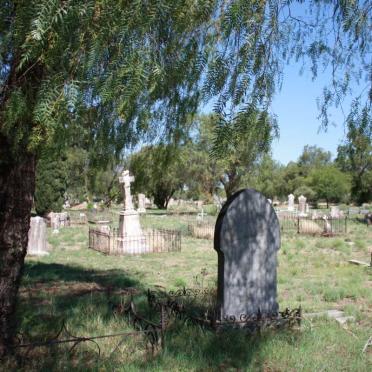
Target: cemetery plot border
190,304
143,327
201,230
152,241
314,226
288,223
165,305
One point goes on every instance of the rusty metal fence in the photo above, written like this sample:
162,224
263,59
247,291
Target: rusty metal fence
288,223
151,241
314,226
192,306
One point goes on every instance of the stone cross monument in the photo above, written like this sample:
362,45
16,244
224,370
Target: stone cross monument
127,179
247,238
131,238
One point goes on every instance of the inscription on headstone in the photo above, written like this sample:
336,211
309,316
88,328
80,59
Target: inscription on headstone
247,238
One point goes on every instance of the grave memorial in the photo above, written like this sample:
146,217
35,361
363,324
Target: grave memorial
302,206
335,212
37,237
291,202
247,238
131,238
141,203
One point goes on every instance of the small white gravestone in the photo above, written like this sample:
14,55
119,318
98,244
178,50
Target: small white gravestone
247,238
141,203
83,218
37,237
302,205
131,238
200,216
335,212
217,201
58,220
291,202
148,203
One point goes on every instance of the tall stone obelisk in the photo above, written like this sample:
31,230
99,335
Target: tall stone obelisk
131,238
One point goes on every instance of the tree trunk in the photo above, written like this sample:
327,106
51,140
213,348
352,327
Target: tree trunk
17,183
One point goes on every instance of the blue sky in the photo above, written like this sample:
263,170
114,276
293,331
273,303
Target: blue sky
296,109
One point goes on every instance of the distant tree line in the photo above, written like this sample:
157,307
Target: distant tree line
187,170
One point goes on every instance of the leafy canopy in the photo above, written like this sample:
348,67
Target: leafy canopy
118,70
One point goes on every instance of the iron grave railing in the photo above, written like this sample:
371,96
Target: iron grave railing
109,242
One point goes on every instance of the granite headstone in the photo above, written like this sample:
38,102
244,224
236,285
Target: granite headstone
247,238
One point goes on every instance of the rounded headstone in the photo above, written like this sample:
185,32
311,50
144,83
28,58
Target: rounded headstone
247,238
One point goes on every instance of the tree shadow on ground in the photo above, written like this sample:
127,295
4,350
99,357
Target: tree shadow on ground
56,293
38,272
53,294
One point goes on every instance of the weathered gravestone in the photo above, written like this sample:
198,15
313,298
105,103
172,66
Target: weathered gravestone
247,238
302,205
291,198
335,212
37,237
58,220
141,203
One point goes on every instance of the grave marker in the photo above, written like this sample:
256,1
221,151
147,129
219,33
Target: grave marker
291,202
131,238
37,237
302,205
247,238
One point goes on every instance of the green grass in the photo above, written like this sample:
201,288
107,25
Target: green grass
68,285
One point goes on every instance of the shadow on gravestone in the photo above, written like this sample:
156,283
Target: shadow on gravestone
247,238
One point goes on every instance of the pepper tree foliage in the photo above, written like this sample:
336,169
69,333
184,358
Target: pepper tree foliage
355,155
109,69
160,172
256,38
244,152
140,67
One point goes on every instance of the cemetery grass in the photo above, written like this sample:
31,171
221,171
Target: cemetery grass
69,285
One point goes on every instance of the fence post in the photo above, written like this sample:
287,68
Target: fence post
298,224
345,224
162,325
